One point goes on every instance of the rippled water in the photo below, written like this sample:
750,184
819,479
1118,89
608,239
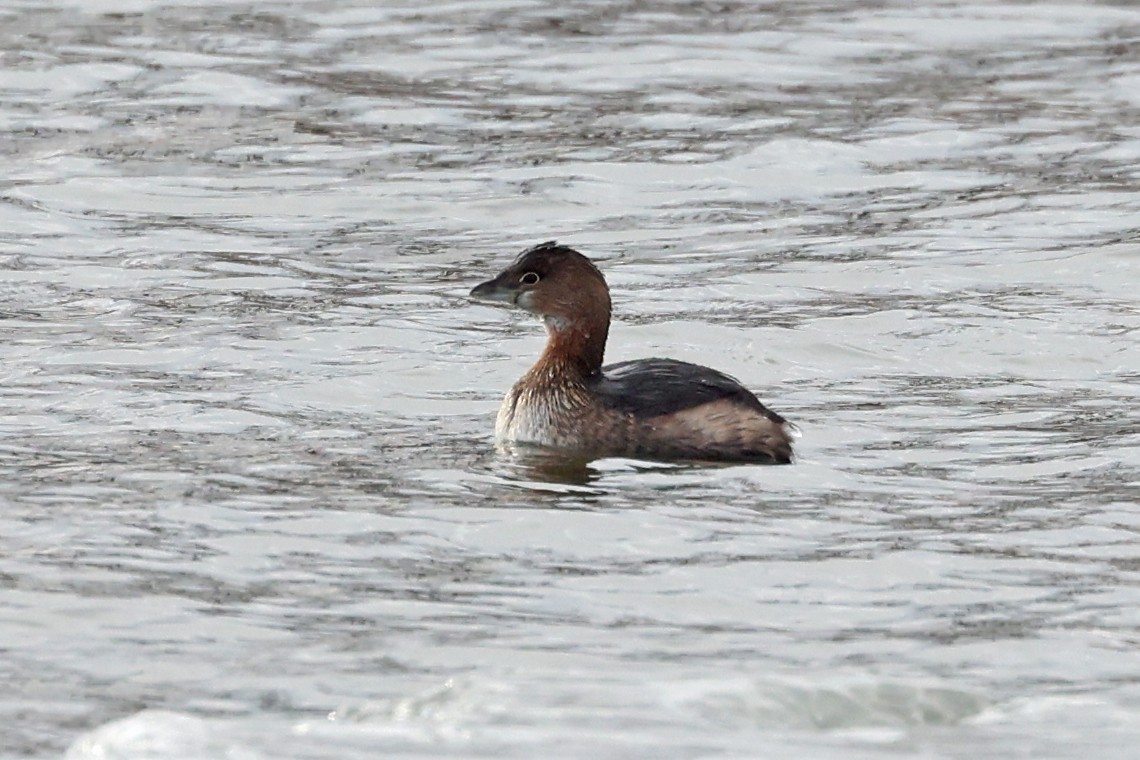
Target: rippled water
249,506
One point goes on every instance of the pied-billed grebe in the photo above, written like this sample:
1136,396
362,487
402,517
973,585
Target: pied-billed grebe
648,408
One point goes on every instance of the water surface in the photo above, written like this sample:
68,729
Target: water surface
250,506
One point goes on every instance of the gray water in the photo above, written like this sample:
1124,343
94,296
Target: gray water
249,504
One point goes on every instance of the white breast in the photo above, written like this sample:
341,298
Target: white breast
526,417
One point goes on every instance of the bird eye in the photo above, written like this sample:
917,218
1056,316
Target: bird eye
530,278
